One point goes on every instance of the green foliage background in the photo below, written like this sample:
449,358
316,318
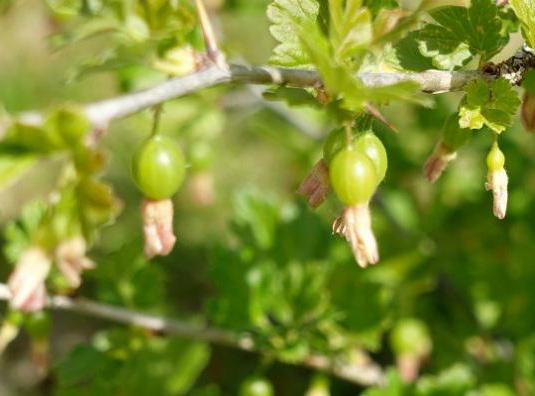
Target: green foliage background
258,260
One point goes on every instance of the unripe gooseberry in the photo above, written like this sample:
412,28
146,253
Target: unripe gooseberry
353,176
411,336
495,159
256,386
370,145
158,168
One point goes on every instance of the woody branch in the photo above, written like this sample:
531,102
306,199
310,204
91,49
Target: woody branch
363,371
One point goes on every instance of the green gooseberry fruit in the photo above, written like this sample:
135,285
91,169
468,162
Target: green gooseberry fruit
158,168
353,176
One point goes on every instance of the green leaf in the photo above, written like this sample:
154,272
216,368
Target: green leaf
525,11
460,33
394,386
408,55
292,96
19,233
13,166
98,205
456,380
31,139
376,5
64,128
340,81
494,390
70,123
286,16
351,28
163,367
256,215
84,363
488,103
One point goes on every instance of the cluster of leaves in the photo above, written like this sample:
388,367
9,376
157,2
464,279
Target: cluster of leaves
457,35
81,203
342,38
488,104
141,35
131,362
336,39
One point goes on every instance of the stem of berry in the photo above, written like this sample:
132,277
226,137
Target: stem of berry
158,109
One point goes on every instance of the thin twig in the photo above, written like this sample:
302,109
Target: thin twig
212,49
101,113
362,371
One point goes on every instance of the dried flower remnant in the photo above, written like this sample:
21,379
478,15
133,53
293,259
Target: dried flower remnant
355,226
158,227
71,260
438,161
27,282
497,183
316,185
528,112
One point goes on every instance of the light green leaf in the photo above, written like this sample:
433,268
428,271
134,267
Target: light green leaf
69,123
393,386
488,103
286,16
13,166
340,81
32,139
18,233
525,11
455,380
351,28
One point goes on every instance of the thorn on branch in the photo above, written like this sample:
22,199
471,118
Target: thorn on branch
212,49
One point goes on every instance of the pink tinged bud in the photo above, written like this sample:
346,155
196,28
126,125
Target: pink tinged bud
316,185
497,183
438,161
355,226
528,112
27,282
158,227
72,261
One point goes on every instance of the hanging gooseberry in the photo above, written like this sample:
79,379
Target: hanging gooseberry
158,168
353,176
370,145
495,159
256,386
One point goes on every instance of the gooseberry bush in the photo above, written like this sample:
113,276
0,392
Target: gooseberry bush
267,197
